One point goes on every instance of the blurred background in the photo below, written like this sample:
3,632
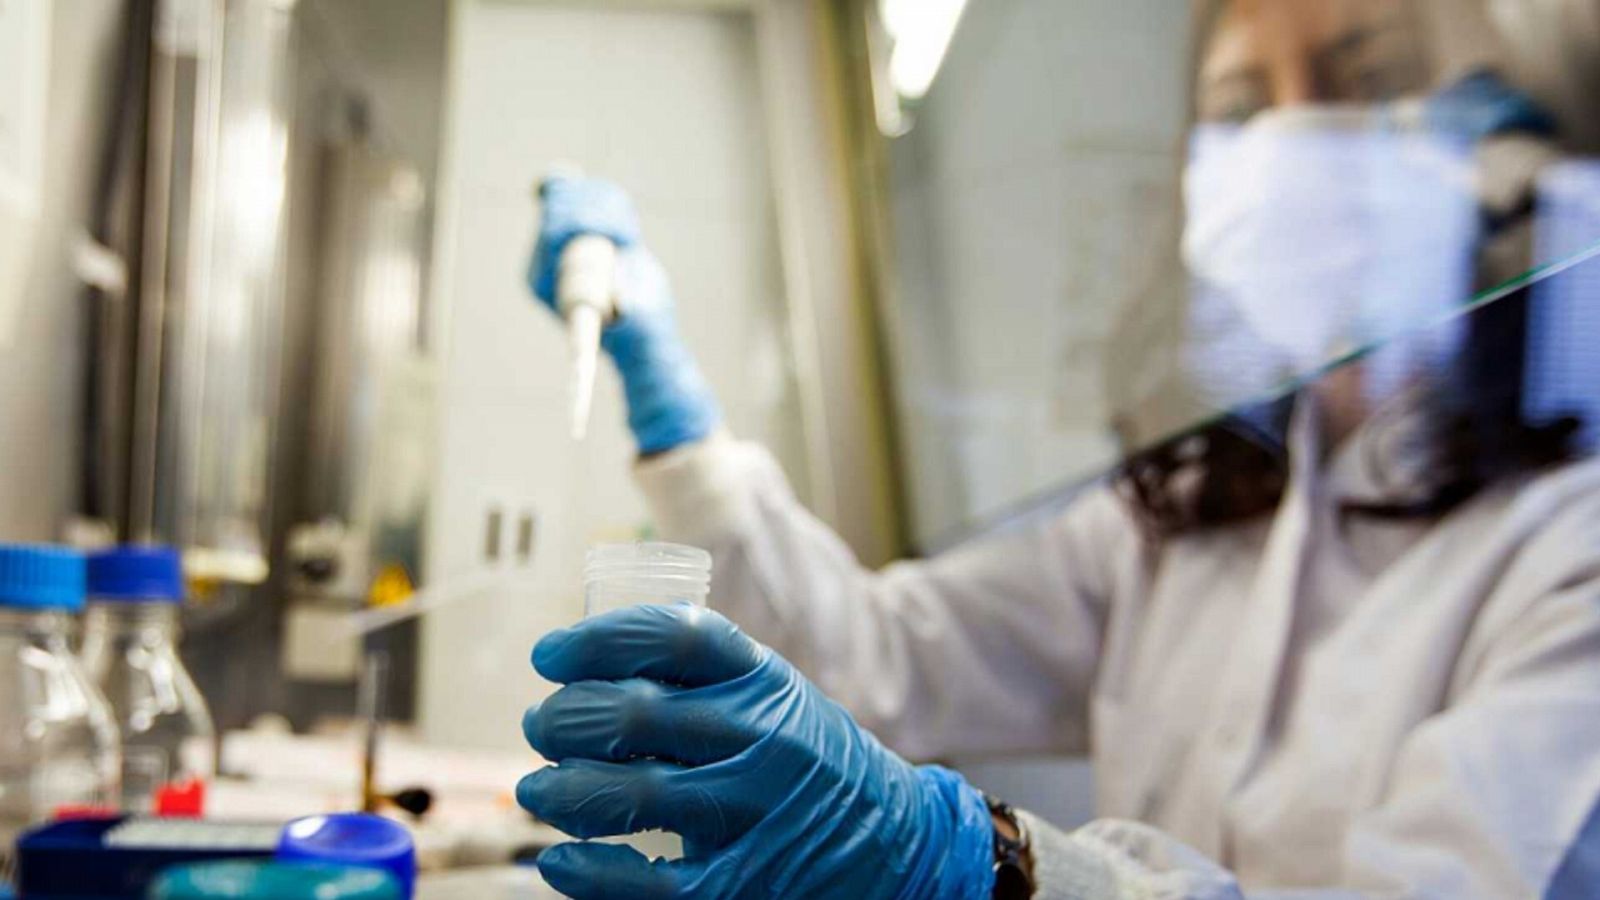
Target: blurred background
262,294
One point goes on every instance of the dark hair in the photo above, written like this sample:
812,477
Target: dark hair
1236,468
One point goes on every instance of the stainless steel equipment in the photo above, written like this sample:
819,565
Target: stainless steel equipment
212,291
366,468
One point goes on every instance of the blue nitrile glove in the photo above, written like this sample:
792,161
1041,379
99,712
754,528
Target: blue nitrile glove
669,402
672,718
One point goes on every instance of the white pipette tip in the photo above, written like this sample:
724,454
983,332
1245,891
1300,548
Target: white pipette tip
583,331
585,291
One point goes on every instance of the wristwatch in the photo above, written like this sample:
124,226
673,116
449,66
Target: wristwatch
1013,860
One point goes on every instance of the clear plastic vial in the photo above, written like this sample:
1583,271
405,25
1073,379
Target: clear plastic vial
620,575
130,650
58,741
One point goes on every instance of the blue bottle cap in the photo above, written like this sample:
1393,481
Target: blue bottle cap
41,577
263,880
352,839
139,574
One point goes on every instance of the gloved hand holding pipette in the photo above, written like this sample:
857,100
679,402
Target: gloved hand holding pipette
669,402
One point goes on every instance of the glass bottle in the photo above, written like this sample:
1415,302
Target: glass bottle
130,650
58,740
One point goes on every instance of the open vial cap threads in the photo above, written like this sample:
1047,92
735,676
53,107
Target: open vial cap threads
621,575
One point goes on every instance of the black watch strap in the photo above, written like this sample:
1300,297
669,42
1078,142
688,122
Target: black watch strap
1011,878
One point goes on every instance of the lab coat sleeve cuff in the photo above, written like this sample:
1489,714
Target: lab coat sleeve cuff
702,491
1113,860
1063,869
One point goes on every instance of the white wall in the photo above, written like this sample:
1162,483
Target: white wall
1027,201
40,390
667,103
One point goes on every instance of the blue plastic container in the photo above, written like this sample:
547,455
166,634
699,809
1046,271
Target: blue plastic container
353,839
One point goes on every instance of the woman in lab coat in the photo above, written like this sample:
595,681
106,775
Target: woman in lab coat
1367,665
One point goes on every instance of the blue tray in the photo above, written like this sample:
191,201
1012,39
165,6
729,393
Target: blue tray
113,859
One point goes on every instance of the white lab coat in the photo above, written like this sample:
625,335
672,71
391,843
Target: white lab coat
1311,706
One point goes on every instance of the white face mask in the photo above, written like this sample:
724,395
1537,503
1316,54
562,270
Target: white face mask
1329,229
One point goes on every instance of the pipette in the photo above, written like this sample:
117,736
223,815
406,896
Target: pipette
586,296
585,293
